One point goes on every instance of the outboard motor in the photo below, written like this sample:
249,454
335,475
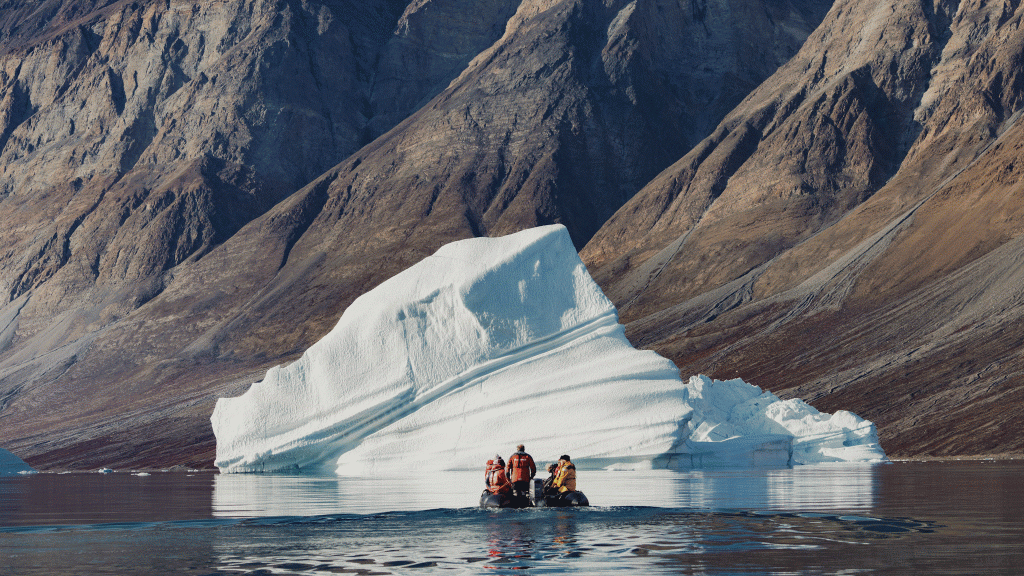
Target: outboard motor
538,492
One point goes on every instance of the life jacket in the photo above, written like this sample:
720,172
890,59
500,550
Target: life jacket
521,467
565,477
487,472
497,482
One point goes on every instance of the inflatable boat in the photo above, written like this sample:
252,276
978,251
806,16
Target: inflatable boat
536,499
573,498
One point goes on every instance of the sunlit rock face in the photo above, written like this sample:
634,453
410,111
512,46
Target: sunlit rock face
852,231
485,344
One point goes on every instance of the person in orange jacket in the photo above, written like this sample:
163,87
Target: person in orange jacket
497,482
565,477
487,473
521,470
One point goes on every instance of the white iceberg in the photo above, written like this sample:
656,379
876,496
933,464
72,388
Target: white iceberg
735,423
492,342
11,464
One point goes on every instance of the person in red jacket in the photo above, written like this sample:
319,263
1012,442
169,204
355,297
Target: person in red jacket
521,470
497,482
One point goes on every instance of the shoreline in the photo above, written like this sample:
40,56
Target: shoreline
1002,457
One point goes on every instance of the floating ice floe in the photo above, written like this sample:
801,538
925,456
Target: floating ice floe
492,342
11,464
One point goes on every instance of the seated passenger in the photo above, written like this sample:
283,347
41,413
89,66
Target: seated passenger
497,481
487,472
548,489
565,477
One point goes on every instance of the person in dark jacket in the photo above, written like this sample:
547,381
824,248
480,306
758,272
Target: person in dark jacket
521,470
548,489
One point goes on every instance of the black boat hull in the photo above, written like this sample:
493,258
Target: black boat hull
538,499
565,499
489,500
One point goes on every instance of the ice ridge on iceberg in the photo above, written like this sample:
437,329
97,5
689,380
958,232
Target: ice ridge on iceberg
488,343
11,464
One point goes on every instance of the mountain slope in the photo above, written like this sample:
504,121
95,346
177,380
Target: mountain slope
178,219
850,234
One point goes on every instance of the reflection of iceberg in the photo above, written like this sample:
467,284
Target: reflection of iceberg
11,464
251,495
238,495
836,486
832,486
495,341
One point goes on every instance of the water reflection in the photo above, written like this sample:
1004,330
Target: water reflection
84,498
514,544
837,486
954,518
822,487
247,495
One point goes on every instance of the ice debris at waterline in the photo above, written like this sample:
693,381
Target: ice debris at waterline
11,464
491,342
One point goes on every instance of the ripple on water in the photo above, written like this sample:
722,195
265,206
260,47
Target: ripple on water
543,541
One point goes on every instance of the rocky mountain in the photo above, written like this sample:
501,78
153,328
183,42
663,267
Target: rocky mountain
193,192
851,232
821,198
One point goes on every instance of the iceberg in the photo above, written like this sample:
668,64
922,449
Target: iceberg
11,464
739,424
493,342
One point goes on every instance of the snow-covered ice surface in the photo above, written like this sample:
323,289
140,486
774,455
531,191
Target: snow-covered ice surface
491,342
11,464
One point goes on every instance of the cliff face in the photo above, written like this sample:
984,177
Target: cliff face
192,192
851,232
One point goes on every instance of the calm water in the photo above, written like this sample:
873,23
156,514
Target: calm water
902,518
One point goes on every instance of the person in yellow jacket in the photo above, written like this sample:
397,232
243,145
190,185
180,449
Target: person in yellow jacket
565,476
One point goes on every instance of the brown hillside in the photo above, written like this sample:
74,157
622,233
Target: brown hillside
851,233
